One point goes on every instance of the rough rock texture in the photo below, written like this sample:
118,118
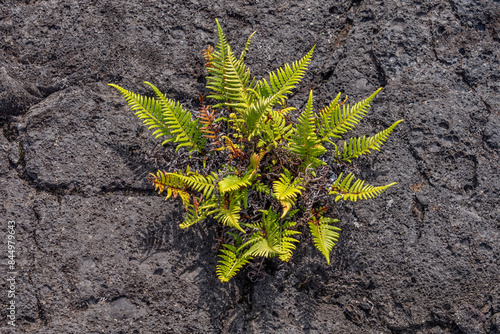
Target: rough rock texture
99,252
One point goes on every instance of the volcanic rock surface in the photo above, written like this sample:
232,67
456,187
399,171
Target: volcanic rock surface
98,251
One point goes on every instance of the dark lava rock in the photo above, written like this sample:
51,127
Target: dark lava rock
16,97
4,154
470,320
495,323
98,251
70,144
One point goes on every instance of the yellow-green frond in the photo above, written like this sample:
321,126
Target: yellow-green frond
269,241
231,261
286,190
146,109
284,79
261,187
358,190
229,213
337,119
228,77
255,113
247,46
195,181
216,68
232,183
286,242
304,140
325,235
174,186
185,131
364,145
236,79
198,211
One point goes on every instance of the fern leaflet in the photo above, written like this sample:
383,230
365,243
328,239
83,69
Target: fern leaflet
261,187
344,190
216,68
268,240
304,140
148,110
174,186
335,120
229,212
231,261
232,183
363,145
286,242
325,235
196,181
197,212
287,191
236,78
284,79
179,121
247,46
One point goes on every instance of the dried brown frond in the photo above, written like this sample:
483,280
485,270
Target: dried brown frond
210,130
208,54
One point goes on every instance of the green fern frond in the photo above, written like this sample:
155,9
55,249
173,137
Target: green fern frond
177,184
231,261
304,140
216,68
265,247
274,130
325,235
197,212
228,77
194,180
284,79
186,132
335,102
336,120
191,218
281,130
261,187
286,242
236,79
173,185
247,46
268,241
148,110
359,190
364,145
229,212
254,114
287,191
232,183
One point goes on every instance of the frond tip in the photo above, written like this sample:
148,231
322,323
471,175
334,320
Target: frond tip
364,145
287,191
231,261
358,190
325,235
147,109
336,121
304,142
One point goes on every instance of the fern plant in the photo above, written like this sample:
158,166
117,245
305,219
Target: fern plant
261,175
